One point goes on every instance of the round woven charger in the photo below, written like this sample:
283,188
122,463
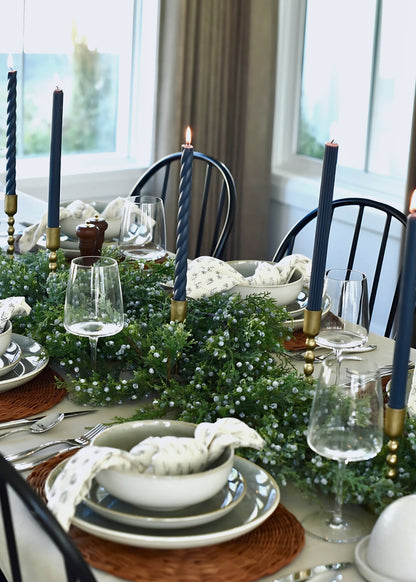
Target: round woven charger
259,553
35,396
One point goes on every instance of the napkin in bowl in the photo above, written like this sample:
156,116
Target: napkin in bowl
10,307
156,455
208,275
77,209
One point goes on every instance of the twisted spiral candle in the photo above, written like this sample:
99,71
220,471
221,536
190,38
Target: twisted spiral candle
11,134
182,233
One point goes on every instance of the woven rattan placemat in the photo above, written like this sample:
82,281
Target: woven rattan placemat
35,396
259,553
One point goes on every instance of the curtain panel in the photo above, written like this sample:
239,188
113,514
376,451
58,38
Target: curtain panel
217,63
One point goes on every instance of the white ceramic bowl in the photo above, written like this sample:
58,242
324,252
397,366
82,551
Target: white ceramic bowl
391,550
282,294
5,337
69,225
154,491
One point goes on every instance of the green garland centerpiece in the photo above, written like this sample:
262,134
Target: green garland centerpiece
225,359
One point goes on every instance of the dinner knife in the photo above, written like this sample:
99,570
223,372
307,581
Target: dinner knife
22,421
308,573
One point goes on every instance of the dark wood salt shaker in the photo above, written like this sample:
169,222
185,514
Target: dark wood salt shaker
87,234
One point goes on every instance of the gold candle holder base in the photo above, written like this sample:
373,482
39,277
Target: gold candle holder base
311,327
53,240
393,427
178,310
10,208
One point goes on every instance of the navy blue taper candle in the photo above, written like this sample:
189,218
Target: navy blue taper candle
184,208
405,314
11,134
323,225
55,159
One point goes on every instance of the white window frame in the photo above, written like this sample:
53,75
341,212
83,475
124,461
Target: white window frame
105,176
296,178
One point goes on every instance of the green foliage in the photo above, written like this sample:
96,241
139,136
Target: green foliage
226,359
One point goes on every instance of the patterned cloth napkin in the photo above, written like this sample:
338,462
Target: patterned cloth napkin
208,275
166,455
10,307
76,209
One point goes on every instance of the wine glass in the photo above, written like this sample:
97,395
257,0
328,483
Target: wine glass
346,425
94,301
143,228
347,324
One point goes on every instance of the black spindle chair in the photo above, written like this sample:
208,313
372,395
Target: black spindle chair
76,568
213,195
379,217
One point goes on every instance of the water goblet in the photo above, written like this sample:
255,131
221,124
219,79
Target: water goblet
94,301
347,324
143,228
345,425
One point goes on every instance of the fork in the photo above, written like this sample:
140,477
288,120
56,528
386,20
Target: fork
80,441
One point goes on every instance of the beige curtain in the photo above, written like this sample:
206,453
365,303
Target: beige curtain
217,64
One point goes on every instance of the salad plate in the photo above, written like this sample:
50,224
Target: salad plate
105,504
33,361
296,308
10,358
261,499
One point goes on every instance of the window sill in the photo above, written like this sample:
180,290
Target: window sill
297,183
97,177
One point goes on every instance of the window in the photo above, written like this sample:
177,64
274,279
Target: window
103,55
347,72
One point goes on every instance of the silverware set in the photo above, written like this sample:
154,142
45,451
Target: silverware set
30,456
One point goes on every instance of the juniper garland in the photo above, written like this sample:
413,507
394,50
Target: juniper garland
217,363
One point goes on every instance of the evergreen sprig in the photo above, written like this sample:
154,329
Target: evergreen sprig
226,359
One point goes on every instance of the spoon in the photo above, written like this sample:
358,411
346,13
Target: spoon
42,425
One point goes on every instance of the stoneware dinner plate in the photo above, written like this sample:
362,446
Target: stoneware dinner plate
10,358
261,499
362,565
32,362
102,502
69,247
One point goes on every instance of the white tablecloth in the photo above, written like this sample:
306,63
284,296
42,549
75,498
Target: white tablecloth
315,551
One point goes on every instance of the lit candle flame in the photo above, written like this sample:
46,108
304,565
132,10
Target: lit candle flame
412,205
188,136
10,63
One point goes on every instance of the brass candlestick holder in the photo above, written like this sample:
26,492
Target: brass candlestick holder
393,427
53,240
178,310
311,327
10,208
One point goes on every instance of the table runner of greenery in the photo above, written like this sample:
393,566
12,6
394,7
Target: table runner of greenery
217,363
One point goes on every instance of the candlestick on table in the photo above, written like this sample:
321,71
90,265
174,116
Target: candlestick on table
178,307
395,411
312,319
53,227
10,199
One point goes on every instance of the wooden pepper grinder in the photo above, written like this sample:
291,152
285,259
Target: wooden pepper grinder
102,226
88,235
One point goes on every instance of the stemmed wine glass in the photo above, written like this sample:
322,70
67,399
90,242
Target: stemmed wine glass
94,301
143,228
346,425
347,324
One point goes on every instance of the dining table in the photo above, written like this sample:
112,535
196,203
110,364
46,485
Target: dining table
42,561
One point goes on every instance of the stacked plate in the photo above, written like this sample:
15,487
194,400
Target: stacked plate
249,497
23,360
296,309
